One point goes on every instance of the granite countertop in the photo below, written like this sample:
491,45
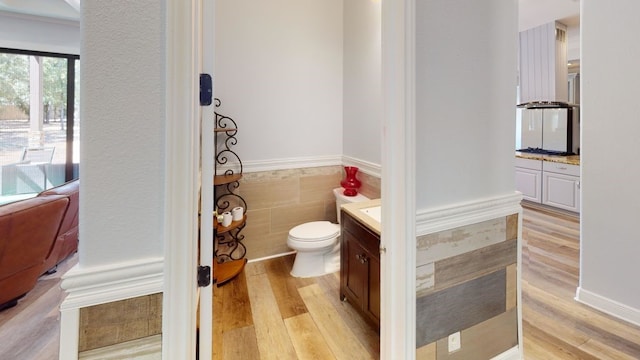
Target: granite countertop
570,160
353,209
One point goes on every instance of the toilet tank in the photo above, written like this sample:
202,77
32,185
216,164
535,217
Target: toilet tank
343,199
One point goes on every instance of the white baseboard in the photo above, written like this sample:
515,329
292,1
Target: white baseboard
271,257
461,214
512,354
608,306
148,348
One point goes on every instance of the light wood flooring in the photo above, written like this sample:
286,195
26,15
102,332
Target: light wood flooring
265,303
266,314
31,329
555,325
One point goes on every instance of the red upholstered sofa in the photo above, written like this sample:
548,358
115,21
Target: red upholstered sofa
35,235
67,241
28,229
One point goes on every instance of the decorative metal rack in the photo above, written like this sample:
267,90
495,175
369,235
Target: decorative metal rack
228,167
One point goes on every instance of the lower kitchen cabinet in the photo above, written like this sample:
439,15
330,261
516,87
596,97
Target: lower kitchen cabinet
529,179
561,186
550,183
360,268
528,182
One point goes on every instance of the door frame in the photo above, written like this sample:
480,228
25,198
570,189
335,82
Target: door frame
205,54
182,158
398,240
398,244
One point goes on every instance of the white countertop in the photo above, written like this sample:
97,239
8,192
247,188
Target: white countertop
354,209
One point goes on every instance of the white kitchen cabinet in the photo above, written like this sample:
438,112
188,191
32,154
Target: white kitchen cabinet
529,179
549,183
528,182
561,186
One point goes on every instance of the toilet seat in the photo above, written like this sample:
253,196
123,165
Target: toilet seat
315,231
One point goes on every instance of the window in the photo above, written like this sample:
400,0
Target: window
39,124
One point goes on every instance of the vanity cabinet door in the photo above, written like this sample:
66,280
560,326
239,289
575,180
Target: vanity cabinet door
354,273
360,269
372,304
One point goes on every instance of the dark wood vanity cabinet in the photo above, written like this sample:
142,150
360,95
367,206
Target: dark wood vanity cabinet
360,268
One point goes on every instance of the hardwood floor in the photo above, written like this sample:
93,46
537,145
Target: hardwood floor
555,325
31,329
264,313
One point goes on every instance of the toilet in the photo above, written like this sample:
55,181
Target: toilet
317,243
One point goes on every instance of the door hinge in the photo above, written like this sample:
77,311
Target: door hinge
206,89
204,276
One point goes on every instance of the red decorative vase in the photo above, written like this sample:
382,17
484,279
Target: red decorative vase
350,183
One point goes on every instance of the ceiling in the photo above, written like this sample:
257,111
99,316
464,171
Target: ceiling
56,9
531,13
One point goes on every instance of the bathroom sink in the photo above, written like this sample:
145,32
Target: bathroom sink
373,212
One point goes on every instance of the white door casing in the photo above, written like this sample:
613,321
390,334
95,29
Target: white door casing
398,241
182,180
206,50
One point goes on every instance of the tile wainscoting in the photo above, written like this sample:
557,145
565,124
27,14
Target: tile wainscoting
278,200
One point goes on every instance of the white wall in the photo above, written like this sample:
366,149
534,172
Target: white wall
41,34
573,42
465,96
610,172
122,133
362,80
279,75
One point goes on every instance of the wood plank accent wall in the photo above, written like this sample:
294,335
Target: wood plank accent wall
453,309
120,321
466,281
485,340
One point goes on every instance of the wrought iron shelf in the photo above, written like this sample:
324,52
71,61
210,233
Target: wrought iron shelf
224,272
226,179
229,247
234,225
220,130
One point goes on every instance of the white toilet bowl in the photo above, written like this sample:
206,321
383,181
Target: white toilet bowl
317,247
317,243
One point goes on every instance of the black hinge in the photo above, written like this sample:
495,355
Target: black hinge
204,276
206,90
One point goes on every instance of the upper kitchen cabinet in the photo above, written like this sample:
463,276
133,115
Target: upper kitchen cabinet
543,63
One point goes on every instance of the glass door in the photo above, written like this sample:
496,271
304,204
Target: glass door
39,124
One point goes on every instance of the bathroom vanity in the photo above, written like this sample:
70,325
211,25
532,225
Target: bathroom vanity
360,259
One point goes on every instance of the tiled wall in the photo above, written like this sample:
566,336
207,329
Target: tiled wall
279,200
120,321
466,281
